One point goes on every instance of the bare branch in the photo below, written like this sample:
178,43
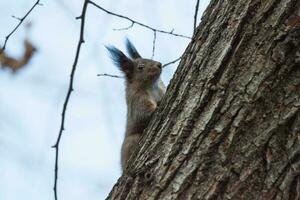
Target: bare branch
154,41
138,23
196,15
172,62
110,75
20,22
56,146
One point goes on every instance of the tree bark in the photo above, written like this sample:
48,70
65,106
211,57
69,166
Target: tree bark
229,124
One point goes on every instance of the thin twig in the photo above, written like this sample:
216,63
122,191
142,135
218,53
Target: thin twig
56,146
110,75
17,18
20,22
138,23
196,15
172,62
154,41
123,29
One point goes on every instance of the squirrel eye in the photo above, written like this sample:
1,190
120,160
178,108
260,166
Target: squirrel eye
141,66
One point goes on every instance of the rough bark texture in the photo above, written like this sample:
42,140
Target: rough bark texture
229,125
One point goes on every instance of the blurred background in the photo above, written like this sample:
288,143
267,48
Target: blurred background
31,98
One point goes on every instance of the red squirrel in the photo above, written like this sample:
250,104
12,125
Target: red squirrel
144,90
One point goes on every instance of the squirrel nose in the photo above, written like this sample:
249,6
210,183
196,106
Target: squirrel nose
158,65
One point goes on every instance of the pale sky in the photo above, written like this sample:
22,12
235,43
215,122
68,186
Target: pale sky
31,100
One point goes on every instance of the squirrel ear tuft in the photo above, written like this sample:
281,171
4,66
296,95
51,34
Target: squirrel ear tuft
121,61
133,53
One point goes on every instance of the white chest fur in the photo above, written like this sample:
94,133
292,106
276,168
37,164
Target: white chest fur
157,91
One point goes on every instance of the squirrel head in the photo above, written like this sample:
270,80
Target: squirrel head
137,70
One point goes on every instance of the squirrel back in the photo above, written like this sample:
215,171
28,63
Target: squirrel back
144,91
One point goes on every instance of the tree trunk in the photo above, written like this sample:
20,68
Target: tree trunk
229,124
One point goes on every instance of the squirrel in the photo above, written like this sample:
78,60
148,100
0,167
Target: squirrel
144,91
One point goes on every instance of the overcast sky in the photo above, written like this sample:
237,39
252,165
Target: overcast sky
31,100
